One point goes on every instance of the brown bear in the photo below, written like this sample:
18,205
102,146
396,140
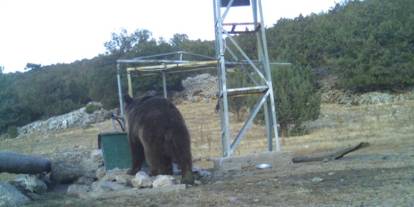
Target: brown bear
157,134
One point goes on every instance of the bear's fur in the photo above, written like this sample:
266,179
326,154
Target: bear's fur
157,134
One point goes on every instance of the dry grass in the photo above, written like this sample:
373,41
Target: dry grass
338,126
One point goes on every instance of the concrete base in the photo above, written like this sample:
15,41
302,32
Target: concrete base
275,159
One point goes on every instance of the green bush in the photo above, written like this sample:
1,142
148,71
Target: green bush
12,131
296,96
90,108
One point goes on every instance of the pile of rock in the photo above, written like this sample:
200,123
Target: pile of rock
22,189
203,86
78,118
349,98
84,174
114,180
119,180
66,167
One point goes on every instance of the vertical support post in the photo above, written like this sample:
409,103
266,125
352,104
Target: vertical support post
265,61
164,83
181,55
261,57
224,110
118,77
130,90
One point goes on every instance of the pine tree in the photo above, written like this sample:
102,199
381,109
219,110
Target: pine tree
296,97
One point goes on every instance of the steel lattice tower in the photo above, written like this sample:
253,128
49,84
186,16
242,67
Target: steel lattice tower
229,53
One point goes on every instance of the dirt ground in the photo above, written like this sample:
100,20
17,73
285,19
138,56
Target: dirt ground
379,175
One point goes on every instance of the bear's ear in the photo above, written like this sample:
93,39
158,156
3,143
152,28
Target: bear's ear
128,99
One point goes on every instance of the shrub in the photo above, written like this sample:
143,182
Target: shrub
12,131
296,96
90,108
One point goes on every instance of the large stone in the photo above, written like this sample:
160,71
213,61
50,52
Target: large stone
141,180
30,183
67,167
10,196
163,181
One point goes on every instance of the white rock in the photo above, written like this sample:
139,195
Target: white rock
97,156
77,118
11,197
203,85
141,180
163,181
317,179
100,173
31,183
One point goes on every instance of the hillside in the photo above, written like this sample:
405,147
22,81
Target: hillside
380,174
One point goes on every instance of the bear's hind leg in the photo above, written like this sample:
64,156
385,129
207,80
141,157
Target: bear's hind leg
166,167
137,157
153,156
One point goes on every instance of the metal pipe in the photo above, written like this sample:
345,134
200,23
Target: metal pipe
269,77
224,113
246,90
164,83
267,111
130,92
121,102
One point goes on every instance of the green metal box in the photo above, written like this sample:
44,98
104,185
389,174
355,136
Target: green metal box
115,150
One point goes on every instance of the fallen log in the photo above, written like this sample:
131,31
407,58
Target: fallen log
330,156
11,162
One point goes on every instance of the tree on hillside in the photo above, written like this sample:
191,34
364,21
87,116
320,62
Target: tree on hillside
296,97
378,49
123,42
367,44
33,66
179,41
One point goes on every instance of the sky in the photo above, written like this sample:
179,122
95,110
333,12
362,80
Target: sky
62,31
